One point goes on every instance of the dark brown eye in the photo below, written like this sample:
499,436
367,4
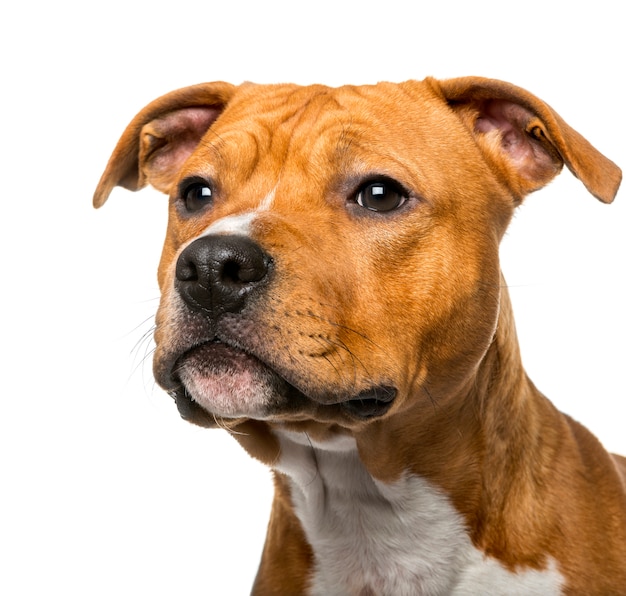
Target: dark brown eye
197,196
380,196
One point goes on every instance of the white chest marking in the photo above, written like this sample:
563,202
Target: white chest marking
403,538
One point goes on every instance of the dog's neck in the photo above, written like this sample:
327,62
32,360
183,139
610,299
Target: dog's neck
341,507
400,536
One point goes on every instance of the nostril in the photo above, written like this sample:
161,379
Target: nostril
231,272
246,269
186,270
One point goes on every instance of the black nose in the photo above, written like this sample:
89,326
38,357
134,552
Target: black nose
217,274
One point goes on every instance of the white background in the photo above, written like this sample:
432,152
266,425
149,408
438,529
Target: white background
104,490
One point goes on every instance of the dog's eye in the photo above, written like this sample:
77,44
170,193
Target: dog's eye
197,196
381,195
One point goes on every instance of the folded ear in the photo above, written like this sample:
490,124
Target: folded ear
161,137
526,142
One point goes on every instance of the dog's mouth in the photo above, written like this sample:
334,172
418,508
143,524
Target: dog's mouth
215,380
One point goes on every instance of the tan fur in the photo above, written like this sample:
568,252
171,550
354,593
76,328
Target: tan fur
415,300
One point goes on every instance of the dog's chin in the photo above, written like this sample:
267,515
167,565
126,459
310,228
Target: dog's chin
227,383
217,381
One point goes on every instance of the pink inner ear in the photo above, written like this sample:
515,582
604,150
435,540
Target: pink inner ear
194,120
510,119
169,140
529,156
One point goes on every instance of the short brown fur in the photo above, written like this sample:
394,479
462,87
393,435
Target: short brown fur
415,300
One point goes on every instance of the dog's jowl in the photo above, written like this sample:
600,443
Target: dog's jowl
332,295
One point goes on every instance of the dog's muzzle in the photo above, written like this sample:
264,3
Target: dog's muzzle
221,281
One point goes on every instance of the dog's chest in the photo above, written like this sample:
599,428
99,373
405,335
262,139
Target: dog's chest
403,538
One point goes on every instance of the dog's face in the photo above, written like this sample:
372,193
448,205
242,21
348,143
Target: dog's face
328,256
331,254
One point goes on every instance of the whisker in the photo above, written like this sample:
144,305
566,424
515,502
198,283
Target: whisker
430,397
314,455
325,357
340,326
143,344
233,432
355,360
146,338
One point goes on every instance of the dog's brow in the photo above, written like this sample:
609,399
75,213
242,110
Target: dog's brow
355,158
345,142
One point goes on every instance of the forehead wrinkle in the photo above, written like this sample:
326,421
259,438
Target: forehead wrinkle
347,139
310,130
269,129
211,146
227,155
280,138
278,134
301,130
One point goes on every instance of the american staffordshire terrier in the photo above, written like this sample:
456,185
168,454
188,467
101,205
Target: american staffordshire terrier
332,297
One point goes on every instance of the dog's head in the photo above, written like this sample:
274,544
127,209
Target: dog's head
332,254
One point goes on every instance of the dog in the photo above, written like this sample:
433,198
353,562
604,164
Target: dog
332,297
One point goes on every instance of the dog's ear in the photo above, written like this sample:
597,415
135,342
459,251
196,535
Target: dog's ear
524,139
161,137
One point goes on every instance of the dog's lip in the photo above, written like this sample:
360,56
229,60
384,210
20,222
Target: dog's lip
372,402
369,403
172,382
